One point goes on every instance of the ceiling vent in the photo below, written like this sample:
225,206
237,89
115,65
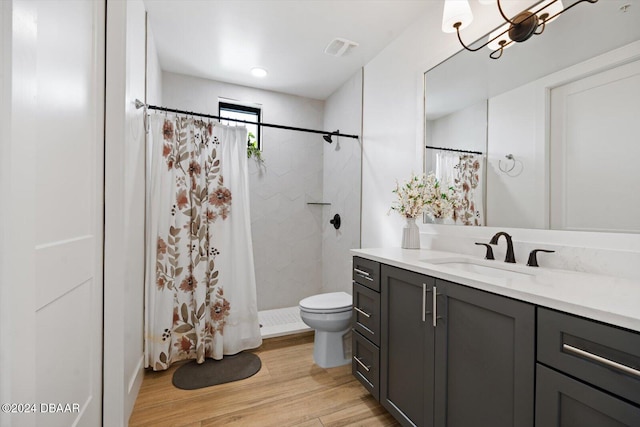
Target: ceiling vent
339,47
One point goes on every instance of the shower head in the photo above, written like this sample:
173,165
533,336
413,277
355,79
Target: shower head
327,137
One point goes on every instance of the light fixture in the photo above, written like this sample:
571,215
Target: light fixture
258,72
457,15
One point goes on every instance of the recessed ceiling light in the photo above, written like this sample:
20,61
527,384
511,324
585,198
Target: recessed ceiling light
259,72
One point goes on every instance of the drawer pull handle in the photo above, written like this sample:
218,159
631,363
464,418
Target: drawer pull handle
364,313
366,368
595,357
424,301
434,312
362,273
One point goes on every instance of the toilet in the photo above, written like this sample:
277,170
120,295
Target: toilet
330,315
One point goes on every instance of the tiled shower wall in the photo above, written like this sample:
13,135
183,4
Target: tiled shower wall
342,160
286,230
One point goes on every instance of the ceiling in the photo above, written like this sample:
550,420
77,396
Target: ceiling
224,39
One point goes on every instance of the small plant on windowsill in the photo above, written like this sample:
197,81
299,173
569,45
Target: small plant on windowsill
252,148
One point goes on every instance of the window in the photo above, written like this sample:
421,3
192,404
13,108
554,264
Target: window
242,112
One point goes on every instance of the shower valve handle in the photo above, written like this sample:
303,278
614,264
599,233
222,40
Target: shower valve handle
335,221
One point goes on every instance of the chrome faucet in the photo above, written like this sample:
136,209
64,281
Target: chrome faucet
510,255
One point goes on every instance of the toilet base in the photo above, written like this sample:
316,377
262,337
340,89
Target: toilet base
331,349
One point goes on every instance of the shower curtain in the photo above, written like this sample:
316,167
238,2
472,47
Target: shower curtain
200,280
465,171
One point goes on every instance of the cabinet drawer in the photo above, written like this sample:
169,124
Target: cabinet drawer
366,273
365,364
366,313
562,401
602,355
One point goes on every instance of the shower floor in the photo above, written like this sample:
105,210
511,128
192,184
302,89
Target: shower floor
281,321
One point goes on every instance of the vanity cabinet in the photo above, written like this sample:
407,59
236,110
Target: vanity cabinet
588,373
365,341
407,356
485,359
464,359
441,354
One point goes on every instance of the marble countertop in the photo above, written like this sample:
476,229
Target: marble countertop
607,299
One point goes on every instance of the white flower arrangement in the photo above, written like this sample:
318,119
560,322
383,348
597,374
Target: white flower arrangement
442,202
424,193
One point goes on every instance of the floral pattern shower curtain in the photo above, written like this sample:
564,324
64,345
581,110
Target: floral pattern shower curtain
465,172
200,280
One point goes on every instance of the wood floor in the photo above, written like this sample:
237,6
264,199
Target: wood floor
289,390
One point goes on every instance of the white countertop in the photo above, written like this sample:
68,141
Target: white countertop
608,299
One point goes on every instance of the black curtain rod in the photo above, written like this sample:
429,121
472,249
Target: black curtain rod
140,104
453,149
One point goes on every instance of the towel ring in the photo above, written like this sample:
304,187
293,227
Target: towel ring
512,170
513,164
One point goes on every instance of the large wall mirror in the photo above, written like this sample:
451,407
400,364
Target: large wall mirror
551,130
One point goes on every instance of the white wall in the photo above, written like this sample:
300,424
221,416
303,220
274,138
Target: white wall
124,212
517,199
154,72
286,232
342,184
393,137
464,129
393,121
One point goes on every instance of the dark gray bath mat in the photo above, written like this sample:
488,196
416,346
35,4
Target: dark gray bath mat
191,376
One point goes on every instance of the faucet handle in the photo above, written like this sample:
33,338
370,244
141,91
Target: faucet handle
533,260
489,254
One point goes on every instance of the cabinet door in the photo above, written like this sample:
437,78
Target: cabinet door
406,369
564,402
485,359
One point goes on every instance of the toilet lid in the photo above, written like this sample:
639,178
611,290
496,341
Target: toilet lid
328,301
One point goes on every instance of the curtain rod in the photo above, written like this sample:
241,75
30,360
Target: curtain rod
140,104
453,149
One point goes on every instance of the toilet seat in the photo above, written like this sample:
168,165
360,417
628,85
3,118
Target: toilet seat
332,302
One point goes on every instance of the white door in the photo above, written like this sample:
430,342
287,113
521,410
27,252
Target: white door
594,152
52,225
69,209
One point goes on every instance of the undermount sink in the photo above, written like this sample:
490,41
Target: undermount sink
481,267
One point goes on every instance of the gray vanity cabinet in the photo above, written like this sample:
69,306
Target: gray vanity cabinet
588,373
365,340
485,359
562,401
475,367
454,356
406,347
